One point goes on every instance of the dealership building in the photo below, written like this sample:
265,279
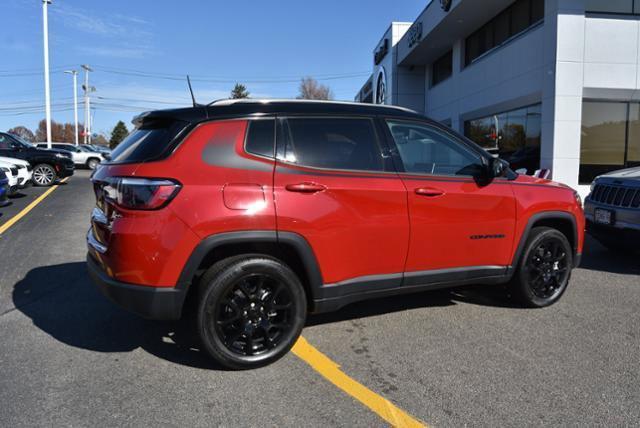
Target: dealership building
545,84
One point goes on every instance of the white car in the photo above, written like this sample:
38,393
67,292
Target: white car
81,155
24,170
11,171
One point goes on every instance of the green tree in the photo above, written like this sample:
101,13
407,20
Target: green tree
239,91
118,134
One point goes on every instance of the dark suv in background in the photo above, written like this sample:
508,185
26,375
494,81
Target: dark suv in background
49,165
612,209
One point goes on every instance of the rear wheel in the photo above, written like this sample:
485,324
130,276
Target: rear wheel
44,175
93,163
251,311
544,268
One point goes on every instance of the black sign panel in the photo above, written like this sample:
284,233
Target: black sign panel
381,52
415,33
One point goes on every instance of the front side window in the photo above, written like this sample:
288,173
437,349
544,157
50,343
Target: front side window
513,136
424,149
332,143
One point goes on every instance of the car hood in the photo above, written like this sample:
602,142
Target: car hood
527,179
14,161
627,174
6,164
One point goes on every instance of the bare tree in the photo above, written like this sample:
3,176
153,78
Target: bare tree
310,89
24,133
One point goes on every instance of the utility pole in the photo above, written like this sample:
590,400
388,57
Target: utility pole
75,100
47,93
87,113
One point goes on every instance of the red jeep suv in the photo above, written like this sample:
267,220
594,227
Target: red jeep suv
263,211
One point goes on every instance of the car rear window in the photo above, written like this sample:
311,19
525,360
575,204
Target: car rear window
149,142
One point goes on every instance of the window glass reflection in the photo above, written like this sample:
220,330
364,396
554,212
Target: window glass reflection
513,136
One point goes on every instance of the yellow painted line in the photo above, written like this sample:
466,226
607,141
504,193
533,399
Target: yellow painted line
13,220
331,371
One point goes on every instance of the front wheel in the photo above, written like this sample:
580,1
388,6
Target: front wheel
251,311
44,175
544,268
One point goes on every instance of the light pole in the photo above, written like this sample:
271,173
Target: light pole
74,73
87,89
47,94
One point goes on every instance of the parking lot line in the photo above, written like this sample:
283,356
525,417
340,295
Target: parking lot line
28,208
331,371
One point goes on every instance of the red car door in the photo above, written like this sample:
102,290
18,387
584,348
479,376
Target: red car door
461,227
333,187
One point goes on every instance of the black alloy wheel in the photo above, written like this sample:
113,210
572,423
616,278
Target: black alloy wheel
254,315
251,311
547,268
544,269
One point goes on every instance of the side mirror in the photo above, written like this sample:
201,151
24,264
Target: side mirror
498,167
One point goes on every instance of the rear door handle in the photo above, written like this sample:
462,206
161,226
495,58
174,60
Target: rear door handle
429,192
305,187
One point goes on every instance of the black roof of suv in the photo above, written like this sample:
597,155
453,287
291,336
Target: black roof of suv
245,107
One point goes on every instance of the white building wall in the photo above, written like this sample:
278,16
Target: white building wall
507,78
572,56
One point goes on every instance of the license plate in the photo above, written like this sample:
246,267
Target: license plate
603,216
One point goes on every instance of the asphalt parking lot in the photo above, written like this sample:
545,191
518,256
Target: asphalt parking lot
447,358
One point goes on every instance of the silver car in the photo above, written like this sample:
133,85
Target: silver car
612,209
81,155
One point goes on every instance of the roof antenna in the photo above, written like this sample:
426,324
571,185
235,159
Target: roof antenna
193,98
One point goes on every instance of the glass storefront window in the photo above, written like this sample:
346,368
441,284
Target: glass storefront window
514,136
610,6
633,146
610,138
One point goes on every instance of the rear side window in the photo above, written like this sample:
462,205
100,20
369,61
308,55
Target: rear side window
261,137
149,142
332,143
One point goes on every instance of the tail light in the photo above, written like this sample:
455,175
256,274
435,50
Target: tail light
141,193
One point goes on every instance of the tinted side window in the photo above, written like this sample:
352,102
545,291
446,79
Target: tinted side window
333,143
261,137
5,142
427,150
150,142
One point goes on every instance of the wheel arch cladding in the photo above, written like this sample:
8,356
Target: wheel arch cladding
563,221
289,247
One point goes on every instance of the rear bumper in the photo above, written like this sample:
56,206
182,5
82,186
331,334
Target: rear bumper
158,303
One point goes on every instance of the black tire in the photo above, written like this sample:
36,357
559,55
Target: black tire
93,163
544,269
251,311
44,175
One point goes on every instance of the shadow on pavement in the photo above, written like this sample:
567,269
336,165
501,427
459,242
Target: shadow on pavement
598,258
62,301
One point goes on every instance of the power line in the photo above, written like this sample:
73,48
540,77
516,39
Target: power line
136,73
